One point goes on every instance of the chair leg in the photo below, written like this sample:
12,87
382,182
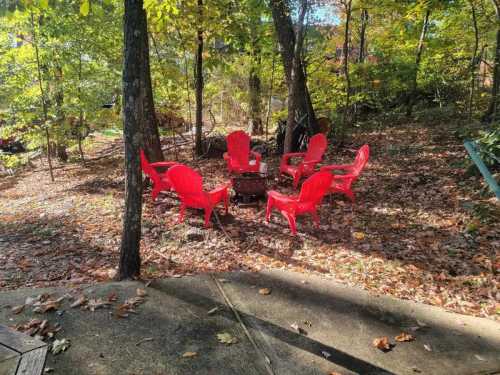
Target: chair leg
226,202
155,192
296,180
351,196
269,208
208,213
291,222
315,217
182,212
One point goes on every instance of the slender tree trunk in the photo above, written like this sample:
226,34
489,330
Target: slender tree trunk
418,57
362,37
151,135
474,60
80,105
42,94
134,98
61,151
199,84
270,94
293,99
345,62
493,113
286,38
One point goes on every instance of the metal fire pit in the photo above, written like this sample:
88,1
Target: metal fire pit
249,186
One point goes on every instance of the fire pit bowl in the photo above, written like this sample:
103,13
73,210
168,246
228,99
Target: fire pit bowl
248,185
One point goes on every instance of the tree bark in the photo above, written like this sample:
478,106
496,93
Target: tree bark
254,87
493,112
345,61
362,38
293,84
61,143
134,98
199,84
474,60
43,97
418,57
286,39
151,135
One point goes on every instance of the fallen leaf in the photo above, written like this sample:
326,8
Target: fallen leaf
59,346
300,330
358,236
189,354
265,291
226,338
479,358
382,343
212,311
326,354
17,309
96,303
141,292
112,297
82,300
428,347
403,336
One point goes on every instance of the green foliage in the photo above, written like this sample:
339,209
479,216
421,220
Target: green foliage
489,147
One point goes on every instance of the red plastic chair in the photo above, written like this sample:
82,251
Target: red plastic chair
238,153
159,179
311,194
342,183
188,185
315,150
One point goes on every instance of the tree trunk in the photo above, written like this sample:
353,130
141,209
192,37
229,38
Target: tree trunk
345,61
254,87
286,38
199,84
493,113
151,135
418,57
61,145
134,98
474,60
293,98
362,38
42,94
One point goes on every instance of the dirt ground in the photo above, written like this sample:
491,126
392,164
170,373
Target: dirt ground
420,229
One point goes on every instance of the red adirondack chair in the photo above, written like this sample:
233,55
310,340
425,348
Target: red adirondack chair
311,194
188,185
342,183
315,150
238,153
159,179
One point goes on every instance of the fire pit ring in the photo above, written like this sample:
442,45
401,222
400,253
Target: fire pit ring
249,186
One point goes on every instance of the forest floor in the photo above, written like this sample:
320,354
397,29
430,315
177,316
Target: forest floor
420,229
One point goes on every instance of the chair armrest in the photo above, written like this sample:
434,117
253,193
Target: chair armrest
257,156
225,156
286,157
343,176
336,167
218,189
163,164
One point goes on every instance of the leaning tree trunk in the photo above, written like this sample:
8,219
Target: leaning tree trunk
151,134
134,92
199,85
418,57
286,38
493,113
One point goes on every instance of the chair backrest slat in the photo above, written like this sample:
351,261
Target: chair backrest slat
238,147
315,187
316,147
